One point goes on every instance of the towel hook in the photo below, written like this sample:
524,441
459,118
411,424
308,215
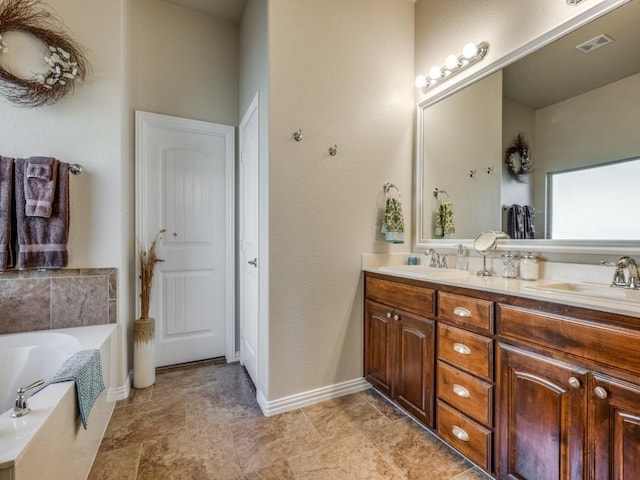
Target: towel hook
76,168
297,136
333,150
489,170
472,173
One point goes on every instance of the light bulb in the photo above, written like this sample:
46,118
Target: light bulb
451,62
435,73
469,51
421,81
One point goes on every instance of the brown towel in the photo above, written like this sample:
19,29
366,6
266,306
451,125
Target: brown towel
6,207
40,186
43,241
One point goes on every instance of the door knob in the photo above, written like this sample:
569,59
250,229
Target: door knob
601,393
253,262
574,382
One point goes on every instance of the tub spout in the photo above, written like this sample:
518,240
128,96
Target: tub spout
20,408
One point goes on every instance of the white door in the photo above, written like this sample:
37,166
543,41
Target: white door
184,183
249,218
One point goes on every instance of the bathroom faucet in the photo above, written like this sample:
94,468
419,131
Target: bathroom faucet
20,408
631,266
437,260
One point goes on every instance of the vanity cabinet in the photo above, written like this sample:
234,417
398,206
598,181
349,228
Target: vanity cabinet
465,375
561,414
400,344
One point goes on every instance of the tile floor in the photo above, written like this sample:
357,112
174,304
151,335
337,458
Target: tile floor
202,422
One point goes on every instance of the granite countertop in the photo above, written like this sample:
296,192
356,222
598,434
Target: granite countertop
594,295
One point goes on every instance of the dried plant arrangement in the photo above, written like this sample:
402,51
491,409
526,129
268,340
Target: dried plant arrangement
65,62
148,260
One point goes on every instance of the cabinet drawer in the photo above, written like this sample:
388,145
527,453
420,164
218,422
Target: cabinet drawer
462,433
466,311
467,393
614,346
469,351
412,298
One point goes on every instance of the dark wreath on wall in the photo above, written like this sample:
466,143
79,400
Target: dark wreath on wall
64,66
517,158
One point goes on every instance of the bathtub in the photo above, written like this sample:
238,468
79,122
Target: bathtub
50,441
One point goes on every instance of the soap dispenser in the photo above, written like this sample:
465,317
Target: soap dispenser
461,258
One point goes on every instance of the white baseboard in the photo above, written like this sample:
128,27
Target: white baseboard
304,399
120,393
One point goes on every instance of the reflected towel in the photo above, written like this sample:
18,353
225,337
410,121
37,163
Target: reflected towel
42,241
6,209
529,222
393,221
40,182
85,369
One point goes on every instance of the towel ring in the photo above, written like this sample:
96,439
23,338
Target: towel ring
387,189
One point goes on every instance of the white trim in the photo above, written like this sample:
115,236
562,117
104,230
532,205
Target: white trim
120,393
144,119
310,397
542,246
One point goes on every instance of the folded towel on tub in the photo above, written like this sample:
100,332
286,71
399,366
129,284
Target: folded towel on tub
42,241
6,209
40,182
85,369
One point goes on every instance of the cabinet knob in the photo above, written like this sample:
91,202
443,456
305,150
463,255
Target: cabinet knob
600,392
389,315
461,312
574,382
460,433
461,348
461,391
396,317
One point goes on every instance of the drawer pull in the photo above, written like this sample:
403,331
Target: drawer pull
460,433
389,315
600,393
396,317
461,391
574,382
461,348
461,312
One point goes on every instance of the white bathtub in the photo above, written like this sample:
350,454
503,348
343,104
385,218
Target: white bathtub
50,441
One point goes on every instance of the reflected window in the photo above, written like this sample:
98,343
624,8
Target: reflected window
598,202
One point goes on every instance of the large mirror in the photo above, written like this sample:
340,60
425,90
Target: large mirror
546,149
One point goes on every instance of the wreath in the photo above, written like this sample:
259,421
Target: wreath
65,61
517,158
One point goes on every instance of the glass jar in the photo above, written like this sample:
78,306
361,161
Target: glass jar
529,267
509,265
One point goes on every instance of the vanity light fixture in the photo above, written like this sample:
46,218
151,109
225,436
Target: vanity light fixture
471,53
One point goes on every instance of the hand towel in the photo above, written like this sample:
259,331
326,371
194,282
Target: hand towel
40,182
42,242
84,368
529,222
393,221
515,222
6,208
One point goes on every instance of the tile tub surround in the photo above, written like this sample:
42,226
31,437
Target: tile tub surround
202,422
39,300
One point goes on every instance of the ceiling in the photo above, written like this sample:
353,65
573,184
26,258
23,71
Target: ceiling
228,10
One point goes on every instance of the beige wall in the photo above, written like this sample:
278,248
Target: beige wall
343,73
184,63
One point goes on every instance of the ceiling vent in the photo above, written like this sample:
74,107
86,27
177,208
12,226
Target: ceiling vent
595,43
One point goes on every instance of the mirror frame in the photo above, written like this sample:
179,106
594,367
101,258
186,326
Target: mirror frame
612,247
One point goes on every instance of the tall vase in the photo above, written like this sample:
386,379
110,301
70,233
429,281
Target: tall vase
144,371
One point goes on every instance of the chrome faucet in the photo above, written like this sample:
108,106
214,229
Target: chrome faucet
619,279
20,408
437,260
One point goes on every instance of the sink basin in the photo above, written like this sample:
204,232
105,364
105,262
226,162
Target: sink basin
423,271
592,290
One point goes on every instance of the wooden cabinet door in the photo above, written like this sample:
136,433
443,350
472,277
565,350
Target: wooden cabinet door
614,429
541,417
415,363
378,346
